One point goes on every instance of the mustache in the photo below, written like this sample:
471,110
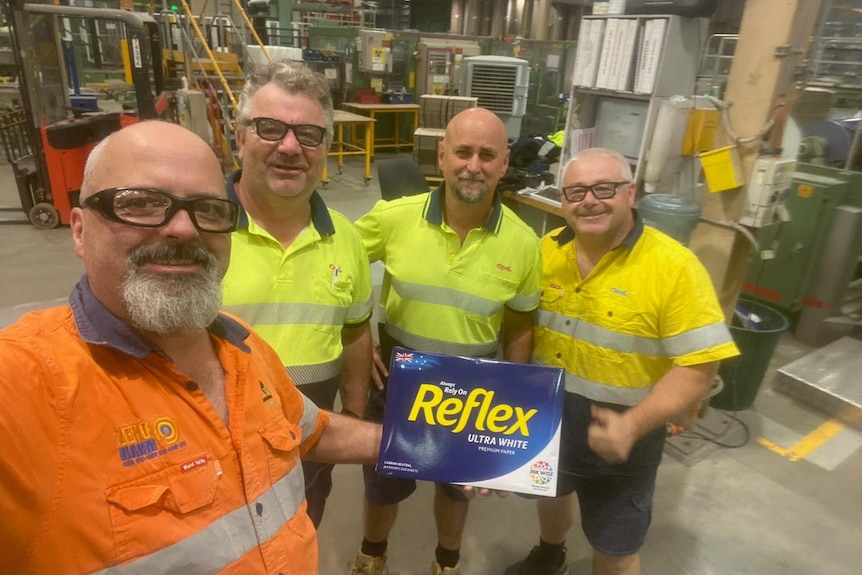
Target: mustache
172,252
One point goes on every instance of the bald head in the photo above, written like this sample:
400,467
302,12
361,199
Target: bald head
473,156
478,120
153,145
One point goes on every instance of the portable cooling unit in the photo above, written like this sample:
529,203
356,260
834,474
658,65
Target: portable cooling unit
500,83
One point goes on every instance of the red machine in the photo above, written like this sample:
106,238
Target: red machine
47,142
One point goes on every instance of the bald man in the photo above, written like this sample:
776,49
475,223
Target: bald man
461,271
142,429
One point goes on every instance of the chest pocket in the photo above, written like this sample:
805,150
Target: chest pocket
282,440
497,288
334,297
156,511
619,329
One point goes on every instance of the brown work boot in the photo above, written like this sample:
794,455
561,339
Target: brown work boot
368,565
437,570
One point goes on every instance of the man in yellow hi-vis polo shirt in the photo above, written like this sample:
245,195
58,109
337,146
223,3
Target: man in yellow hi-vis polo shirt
298,273
632,317
461,270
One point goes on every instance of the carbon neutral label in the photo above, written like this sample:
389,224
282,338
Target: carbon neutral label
472,421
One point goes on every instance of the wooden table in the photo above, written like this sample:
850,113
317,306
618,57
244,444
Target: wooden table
540,216
340,148
397,110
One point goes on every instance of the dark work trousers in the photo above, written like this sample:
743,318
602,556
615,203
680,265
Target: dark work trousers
318,476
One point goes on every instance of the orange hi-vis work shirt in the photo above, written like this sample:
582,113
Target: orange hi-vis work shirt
113,462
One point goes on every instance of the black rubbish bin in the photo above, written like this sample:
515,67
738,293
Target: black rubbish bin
756,329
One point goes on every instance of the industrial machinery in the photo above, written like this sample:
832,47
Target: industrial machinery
439,65
784,272
48,141
501,85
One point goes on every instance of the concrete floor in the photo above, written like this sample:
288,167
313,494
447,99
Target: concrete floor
721,511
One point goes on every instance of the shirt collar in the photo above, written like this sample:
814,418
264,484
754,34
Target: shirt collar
434,209
320,217
98,326
568,234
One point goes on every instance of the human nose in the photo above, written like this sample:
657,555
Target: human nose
289,142
180,225
474,164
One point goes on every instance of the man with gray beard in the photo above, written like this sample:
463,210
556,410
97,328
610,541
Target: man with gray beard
144,431
462,274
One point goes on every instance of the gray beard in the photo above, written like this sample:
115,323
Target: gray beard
172,303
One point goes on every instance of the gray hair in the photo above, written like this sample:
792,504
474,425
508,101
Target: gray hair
625,167
293,77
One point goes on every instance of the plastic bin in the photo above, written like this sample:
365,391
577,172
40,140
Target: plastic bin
671,214
756,329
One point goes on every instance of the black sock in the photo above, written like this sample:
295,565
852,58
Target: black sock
373,549
555,554
447,557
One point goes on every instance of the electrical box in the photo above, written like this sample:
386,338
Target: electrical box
375,51
766,191
439,66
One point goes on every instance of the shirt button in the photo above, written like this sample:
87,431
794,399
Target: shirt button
568,322
610,314
559,355
258,508
451,256
192,386
577,290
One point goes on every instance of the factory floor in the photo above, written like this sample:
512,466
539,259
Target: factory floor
761,508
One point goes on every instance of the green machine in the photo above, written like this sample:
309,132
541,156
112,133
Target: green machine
781,274
551,64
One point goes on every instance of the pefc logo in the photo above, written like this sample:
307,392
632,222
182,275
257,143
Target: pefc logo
452,411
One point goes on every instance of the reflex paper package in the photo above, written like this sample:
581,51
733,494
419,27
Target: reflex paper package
472,421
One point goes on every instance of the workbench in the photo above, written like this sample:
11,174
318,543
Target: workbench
537,214
340,148
397,110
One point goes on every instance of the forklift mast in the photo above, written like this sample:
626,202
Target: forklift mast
61,131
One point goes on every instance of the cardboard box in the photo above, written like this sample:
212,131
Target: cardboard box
436,111
425,150
472,421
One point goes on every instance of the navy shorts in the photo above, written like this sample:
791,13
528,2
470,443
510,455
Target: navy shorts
615,500
380,490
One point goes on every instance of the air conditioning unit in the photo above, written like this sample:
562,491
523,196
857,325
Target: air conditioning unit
500,83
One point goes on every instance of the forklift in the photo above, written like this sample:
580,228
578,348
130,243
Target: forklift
47,139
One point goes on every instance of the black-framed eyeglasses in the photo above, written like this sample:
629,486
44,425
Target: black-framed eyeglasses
273,130
601,191
148,208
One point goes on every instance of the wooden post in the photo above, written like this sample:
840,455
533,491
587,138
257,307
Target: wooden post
773,42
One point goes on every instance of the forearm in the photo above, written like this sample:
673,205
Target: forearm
676,391
355,367
517,336
347,440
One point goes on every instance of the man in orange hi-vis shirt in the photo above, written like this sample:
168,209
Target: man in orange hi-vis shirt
143,431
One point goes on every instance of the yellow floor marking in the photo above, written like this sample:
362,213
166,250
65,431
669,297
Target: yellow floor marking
808,444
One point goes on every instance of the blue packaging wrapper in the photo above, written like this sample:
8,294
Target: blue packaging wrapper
471,421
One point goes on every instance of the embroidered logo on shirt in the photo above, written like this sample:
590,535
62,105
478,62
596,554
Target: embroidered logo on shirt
618,291
504,268
267,396
146,440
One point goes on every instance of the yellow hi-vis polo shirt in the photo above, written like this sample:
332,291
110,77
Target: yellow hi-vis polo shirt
299,298
647,306
443,297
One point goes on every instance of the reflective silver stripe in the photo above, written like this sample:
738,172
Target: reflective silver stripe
286,313
446,296
314,372
524,302
308,421
697,339
360,310
692,341
227,539
438,346
602,337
